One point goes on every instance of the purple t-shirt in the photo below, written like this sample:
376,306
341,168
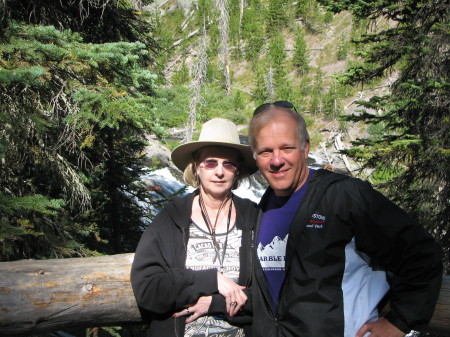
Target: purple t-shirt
272,237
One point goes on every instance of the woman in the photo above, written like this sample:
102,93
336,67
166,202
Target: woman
193,262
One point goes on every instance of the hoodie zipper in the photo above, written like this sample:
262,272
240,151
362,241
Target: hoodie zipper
251,246
185,236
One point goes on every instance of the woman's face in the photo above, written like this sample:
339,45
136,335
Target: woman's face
217,168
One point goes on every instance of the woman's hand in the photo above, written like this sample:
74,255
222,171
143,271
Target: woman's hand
195,311
235,298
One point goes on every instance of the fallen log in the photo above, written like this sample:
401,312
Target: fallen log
48,295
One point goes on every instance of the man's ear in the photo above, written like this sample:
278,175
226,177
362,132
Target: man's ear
306,151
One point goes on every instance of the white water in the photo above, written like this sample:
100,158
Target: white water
252,190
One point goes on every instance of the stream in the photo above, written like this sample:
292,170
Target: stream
167,181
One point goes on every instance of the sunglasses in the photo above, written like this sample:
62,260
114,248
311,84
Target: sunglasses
278,104
211,164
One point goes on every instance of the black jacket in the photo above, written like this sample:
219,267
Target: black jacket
311,300
161,283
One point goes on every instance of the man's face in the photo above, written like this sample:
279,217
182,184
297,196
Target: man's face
279,156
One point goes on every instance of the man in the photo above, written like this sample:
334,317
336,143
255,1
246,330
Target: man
330,247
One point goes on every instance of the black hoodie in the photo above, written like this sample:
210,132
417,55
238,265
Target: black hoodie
161,283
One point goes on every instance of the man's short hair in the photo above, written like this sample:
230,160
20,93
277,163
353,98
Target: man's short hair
260,119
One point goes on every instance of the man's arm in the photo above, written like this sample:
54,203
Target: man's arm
398,244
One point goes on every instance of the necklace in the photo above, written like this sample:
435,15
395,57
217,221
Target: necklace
212,228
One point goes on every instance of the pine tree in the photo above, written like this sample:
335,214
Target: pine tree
414,152
182,75
252,33
331,101
342,49
276,59
301,57
260,91
204,12
74,120
97,21
276,16
317,90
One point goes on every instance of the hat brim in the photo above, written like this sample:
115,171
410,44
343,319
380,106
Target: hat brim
183,154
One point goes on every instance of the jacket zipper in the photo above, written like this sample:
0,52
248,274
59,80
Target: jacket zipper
185,235
250,257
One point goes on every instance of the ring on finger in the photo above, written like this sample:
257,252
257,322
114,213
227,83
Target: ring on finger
233,304
187,309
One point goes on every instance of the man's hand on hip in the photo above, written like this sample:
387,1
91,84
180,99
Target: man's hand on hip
380,328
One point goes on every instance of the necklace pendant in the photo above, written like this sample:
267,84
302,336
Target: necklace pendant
217,244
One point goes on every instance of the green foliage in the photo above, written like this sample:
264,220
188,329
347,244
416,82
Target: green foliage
301,8
312,18
214,36
173,21
97,21
301,57
276,60
17,215
342,50
252,33
302,92
182,75
204,12
218,105
331,101
234,12
277,51
37,203
276,16
416,137
74,121
376,131
173,110
384,174
238,100
260,91
317,90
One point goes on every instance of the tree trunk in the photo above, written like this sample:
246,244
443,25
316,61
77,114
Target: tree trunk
39,296
198,78
224,28
49,295
270,85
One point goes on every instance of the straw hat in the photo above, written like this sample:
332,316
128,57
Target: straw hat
215,132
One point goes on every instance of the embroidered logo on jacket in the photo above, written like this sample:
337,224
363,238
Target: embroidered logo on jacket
316,221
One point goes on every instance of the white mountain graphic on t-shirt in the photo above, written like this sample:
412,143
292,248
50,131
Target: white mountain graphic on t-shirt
272,256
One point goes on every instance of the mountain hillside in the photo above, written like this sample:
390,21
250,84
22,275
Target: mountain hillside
320,41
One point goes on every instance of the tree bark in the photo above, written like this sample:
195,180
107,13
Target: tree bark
49,295
39,296
224,28
198,78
